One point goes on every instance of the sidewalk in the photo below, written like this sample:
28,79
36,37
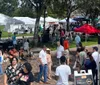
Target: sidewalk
37,50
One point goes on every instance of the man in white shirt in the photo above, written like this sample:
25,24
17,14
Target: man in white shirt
96,56
43,65
62,72
60,50
26,45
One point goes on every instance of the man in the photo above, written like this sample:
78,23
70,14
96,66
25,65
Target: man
96,56
0,34
14,40
66,46
43,66
77,40
60,50
62,72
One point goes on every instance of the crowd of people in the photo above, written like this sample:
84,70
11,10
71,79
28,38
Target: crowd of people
21,73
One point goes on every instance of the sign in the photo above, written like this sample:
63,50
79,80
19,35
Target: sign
83,78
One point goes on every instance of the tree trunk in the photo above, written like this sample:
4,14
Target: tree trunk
68,27
36,31
67,21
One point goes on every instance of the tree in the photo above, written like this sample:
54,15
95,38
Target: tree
90,8
39,6
64,8
8,6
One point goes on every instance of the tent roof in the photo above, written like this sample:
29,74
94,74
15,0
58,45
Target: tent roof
13,21
64,20
88,29
3,19
26,20
49,19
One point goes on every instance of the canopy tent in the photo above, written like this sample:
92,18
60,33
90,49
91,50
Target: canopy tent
48,19
13,21
70,20
26,20
81,18
3,19
88,29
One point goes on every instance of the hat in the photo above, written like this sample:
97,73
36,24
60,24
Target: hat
47,49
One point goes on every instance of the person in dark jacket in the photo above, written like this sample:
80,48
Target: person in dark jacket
26,77
90,63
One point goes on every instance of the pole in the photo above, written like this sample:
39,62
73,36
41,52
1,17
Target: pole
98,58
44,18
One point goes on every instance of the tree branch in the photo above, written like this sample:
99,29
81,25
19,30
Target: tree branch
32,3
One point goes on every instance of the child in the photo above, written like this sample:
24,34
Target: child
26,76
49,62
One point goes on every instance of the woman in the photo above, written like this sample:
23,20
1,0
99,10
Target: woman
90,64
26,76
11,72
49,60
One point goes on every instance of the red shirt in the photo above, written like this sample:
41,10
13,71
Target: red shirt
66,44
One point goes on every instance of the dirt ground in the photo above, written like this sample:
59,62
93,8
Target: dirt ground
35,70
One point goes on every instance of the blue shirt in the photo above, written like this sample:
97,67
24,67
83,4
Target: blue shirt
77,39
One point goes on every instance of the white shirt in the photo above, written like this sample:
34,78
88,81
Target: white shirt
43,57
26,46
63,71
60,49
96,57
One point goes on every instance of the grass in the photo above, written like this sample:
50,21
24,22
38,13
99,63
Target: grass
72,45
91,40
6,34
88,43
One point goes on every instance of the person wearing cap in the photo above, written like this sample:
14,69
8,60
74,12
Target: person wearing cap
49,60
63,72
43,66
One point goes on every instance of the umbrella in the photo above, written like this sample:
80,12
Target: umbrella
88,29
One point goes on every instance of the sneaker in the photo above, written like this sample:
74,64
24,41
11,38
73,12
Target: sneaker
46,83
40,82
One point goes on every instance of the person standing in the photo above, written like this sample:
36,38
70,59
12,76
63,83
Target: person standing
14,40
1,61
66,46
90,63
0,34
26,46
43,66
62,72
77,40
96,56
25,76
60,50
12,71
49,60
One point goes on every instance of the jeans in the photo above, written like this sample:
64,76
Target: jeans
1,70
43,71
